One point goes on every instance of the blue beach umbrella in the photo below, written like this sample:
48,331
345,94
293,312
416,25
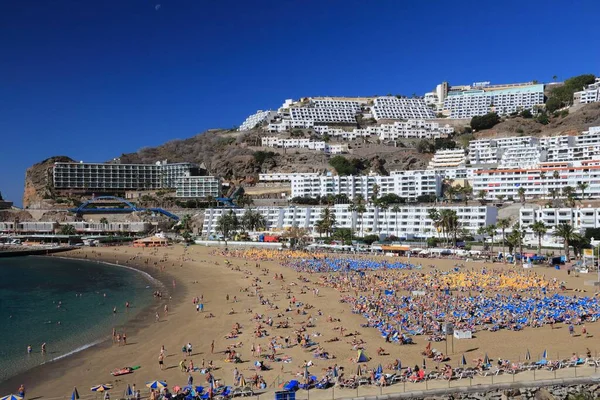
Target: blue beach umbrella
486,359
75,394
545,354
12,397
128,391
463,361
156,384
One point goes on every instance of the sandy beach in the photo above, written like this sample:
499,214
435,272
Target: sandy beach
196,272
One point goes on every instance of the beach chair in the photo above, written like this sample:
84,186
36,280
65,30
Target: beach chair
236,392
364,381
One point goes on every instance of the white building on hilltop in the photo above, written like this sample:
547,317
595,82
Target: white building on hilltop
390,107
443,159
409,222
590,94
257,118
293,143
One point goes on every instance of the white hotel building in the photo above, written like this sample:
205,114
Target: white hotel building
198,187
257,118
482,100
284,176
538,181
590,94
579,218
406,184
390,107
444,159
292,143
409,222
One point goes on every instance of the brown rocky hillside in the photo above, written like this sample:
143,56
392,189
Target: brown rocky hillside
574,123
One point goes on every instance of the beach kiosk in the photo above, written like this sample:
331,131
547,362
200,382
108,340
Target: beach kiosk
152,241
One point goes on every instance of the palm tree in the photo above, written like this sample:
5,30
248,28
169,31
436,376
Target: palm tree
68,230
569,192
467,192
582,186
566,233
375,194
503,223
491,231
516,239
104,221
351,209
449,192
553,193
253,220
327,221
481,195
543,178
539,229
521,193
555,175
434,216
450,223
482,231
384,207
396,209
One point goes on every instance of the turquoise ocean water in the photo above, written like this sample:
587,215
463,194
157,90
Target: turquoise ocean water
36,293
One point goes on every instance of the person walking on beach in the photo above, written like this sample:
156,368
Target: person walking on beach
571,330
124,339
29,349
21,391
157,317
212,347
44,348
161,361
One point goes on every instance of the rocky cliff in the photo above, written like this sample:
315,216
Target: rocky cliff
38,183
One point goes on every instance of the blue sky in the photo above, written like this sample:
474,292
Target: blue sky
94,79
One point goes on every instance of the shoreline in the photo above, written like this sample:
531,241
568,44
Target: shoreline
42,373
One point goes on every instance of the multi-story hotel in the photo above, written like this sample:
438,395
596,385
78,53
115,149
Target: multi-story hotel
540,182
590,94
444,159
579,218
390,107
117,177
257,118
406,184
198,186
107,177
409,222
482,98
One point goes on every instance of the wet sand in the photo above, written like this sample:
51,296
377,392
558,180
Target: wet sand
198,273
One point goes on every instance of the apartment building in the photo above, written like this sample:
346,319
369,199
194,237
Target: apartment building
323,115
415,129
406,184
539,182
580,218
573,153
502,99
284,176
467,104
256,119
589,94
408,222
444,159
292,143
503,143
198,187
390,107
522,157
